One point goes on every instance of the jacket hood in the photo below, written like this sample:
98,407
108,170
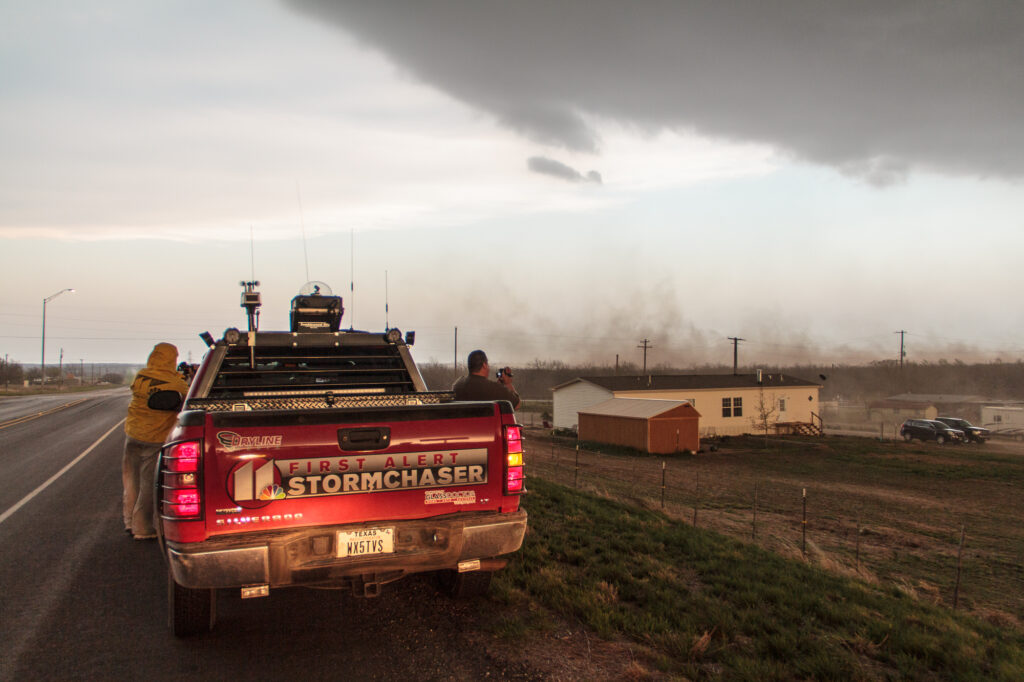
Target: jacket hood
164,356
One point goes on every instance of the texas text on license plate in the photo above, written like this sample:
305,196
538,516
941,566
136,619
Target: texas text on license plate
366,541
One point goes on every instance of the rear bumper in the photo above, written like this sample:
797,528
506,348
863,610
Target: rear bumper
308,556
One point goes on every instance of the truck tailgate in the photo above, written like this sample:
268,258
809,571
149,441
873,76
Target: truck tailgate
278,469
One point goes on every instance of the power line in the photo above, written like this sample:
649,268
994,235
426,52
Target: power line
106,338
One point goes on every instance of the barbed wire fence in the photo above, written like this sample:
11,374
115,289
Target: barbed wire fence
780,516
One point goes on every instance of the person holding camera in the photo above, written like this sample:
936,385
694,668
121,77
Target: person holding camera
476,385
157,392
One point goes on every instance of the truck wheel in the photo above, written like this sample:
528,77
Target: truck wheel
189,611
464,585
940,439
907,437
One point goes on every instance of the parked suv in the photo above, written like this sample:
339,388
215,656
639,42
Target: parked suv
977,434
930,429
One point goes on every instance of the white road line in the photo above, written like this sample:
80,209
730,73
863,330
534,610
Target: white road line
28,498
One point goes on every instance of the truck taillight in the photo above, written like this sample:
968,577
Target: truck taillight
514,480
179,481
182,496
183,457
514,477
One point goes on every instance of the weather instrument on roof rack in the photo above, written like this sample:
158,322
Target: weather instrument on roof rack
315,309
251,303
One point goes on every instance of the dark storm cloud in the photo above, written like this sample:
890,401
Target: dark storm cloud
546,166
873,88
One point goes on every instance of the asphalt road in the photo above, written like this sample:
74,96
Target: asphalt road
80,599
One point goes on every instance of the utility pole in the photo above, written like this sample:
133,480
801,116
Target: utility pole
42,350
903,353
456,356
645,344
735,352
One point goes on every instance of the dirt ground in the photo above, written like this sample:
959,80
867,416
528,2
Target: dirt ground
888,512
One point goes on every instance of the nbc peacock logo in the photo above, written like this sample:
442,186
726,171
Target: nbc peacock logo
255,483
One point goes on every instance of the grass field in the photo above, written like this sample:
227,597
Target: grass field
889,514
667,600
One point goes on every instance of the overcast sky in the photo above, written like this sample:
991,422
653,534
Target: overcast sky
559,180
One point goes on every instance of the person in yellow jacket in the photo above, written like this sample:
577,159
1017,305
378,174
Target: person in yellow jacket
145,430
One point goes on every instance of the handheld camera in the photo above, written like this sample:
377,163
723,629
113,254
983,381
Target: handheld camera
505,372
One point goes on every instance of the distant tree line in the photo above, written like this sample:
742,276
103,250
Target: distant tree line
14,374
11,373
997,380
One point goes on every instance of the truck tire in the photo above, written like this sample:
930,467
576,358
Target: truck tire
940,439
464,585
907,437
189,611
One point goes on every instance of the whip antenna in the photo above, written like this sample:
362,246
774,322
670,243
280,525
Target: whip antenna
302,221
352,279
387,325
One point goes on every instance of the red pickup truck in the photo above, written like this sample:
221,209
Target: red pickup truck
318,457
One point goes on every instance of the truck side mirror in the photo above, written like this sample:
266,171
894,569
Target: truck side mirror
165,401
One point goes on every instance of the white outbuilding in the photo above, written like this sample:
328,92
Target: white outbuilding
729,404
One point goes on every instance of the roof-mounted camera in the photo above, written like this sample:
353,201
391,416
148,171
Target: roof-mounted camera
315,309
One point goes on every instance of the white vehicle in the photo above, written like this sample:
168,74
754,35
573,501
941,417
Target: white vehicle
1004,421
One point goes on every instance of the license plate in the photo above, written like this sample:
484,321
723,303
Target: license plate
366,541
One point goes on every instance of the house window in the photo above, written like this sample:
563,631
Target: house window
997,418
732,407
782,404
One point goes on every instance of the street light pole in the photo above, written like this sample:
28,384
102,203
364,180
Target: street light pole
42,352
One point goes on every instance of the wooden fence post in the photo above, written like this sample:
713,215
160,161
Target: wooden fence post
576,475
803,533
959,556
753,533
696,499
857,553
662,484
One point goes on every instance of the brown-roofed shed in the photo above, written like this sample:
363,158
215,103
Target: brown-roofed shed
655,426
